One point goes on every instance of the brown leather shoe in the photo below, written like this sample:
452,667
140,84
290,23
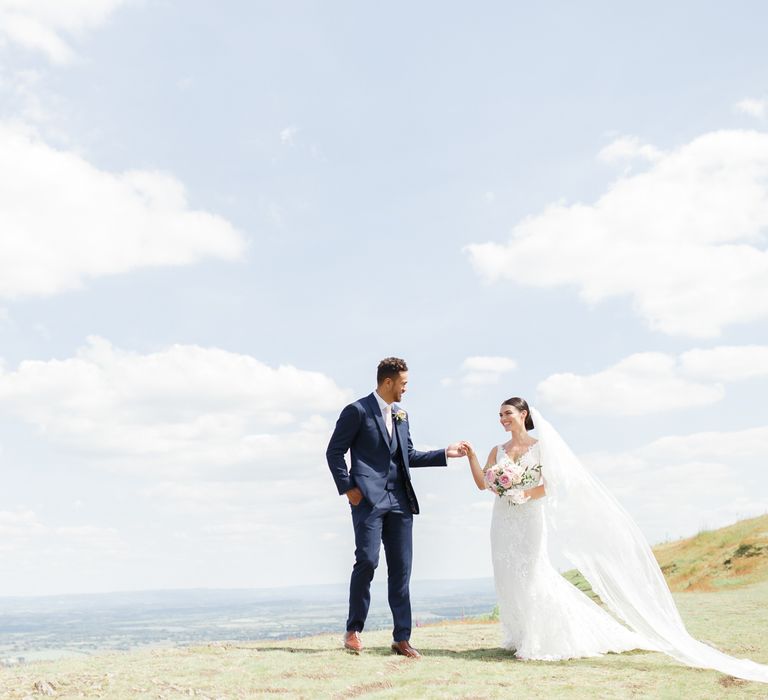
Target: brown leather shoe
405,649
353,642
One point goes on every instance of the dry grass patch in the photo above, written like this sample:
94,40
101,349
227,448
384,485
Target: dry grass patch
730,557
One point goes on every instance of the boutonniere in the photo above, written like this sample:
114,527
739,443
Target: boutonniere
399,415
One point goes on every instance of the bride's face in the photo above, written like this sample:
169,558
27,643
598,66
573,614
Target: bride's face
511,419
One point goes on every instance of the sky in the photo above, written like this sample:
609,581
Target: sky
215,220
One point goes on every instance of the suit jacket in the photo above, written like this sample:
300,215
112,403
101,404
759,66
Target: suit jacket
361,430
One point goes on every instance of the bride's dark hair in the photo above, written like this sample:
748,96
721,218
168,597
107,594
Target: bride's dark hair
521,405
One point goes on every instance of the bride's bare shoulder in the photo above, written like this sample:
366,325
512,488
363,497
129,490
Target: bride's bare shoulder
493,457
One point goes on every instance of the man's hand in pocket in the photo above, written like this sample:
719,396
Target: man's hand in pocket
355,495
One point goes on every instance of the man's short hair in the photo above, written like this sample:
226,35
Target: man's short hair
389,368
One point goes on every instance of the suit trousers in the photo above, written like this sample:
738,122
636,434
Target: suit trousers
390,522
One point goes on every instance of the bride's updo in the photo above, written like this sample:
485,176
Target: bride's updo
521,405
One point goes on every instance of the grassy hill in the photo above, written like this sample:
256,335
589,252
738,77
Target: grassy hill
722,592
731,557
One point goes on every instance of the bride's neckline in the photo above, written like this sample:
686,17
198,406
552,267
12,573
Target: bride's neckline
521,455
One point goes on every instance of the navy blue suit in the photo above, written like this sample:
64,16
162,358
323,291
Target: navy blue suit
380,468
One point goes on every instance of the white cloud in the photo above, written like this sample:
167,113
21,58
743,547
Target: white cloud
288,135
254,504
22,97
642,383
480,379
727,363
652,382
39,557
685,240
751,444
18,524
198,497
182,411
753,107
629,148
21,526
481,370
47,25
63,221
680,484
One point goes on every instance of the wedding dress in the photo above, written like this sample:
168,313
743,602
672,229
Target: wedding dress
543,616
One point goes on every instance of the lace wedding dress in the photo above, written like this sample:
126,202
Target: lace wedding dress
543,616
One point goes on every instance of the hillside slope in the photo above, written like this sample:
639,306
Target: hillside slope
730,557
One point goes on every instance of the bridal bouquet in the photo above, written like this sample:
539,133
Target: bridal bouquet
510,479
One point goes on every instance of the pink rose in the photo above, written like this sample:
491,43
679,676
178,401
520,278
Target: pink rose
505,480
514,472
489,477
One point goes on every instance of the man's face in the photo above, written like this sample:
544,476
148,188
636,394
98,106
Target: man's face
399,384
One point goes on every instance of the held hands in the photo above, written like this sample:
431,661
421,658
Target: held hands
456,449
467,448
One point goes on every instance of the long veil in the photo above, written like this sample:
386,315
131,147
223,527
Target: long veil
600,538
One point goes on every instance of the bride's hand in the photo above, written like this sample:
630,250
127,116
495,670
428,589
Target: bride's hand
467,447
456,449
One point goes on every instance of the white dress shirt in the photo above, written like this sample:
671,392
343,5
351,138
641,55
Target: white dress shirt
386,412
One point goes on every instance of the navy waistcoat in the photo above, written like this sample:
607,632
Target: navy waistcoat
395,478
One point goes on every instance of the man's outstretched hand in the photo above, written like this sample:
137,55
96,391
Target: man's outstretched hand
354,495
456,449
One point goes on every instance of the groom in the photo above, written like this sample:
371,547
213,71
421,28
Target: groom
382,499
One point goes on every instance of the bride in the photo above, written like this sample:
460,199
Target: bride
542,490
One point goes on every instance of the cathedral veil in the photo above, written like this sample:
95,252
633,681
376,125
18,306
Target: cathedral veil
594,532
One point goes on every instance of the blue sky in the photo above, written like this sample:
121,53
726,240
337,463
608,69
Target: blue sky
215,221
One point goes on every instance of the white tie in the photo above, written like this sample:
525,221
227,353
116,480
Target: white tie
388,419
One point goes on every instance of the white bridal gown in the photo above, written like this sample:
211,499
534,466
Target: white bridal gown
546,617
543,616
